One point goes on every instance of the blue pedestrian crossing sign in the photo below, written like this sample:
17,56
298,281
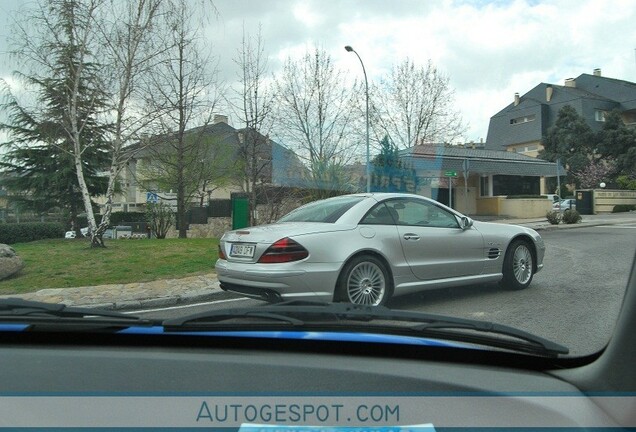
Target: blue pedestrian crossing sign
152,197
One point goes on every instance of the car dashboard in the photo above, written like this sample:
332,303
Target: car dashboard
231,383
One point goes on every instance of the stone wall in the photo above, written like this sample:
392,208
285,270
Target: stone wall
213,229
605,200
513,208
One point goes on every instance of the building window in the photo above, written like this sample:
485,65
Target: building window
524,119
515,185
599,115
484,186
525,149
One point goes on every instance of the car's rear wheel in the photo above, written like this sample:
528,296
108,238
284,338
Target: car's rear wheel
518,266
364,280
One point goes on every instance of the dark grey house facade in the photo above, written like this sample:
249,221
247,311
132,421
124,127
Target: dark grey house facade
520,126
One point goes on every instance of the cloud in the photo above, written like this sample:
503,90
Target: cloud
489,49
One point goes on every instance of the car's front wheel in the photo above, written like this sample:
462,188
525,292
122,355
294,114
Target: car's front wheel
518,266
364,280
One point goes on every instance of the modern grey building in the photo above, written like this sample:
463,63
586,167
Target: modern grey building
520,126
476,176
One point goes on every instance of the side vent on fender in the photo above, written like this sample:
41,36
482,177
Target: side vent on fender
494,253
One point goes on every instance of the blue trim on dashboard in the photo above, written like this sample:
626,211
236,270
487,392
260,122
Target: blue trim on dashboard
303,335
332,336
13,327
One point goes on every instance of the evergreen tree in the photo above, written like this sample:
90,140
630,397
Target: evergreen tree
570,140
38,159
389,172
618,142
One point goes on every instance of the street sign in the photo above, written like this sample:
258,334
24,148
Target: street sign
450,173
152,197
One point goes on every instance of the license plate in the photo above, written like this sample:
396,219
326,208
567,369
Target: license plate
242,250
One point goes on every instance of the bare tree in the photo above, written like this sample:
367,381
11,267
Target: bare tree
414,105
253,105
67,30
314,118
182,86
110,45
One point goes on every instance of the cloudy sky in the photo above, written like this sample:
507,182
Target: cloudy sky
489,49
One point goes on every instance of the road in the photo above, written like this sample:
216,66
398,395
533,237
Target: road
574,300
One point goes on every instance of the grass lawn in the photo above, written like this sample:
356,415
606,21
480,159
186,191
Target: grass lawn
62,263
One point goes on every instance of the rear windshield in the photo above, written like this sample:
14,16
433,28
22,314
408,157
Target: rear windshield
329,210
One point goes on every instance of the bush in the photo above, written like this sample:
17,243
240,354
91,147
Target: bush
554,217
626,182
32,231
571,216
620,208
160,218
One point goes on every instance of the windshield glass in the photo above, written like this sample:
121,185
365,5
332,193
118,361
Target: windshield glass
328,211
148,148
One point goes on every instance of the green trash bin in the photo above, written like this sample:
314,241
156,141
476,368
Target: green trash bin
240,211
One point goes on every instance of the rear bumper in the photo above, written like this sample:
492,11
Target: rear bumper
251,292
279,282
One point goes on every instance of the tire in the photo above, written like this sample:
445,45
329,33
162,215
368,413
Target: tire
518,266
364,280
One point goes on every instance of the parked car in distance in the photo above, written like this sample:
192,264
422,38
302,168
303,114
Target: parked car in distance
73,234
568,203
553,197
364,248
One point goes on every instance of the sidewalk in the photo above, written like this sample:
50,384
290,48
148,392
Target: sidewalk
542,224
172,292
140,295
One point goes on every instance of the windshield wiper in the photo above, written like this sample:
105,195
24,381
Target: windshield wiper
333,316
51,316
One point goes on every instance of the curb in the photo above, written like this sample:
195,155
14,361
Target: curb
569,226
160,302
189,292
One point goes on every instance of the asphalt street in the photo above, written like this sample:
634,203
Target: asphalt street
574,300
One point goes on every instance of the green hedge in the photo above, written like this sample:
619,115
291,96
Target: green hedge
116,218
620,208
11,233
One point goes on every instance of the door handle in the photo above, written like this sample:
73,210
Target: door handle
411,236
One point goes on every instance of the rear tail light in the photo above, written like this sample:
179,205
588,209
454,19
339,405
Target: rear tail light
222,253
284,250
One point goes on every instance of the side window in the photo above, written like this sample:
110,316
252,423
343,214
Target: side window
380,215
422,213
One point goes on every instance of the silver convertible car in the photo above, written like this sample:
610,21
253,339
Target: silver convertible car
365,248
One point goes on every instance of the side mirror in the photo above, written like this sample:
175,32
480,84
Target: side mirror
465,223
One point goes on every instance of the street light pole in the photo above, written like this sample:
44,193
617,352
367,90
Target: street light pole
366,85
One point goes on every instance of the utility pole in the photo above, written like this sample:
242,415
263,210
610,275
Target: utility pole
466,167
558,168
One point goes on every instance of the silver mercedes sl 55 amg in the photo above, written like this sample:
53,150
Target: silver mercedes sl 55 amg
365,248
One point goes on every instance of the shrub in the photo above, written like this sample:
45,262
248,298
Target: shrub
571,216
626,182
620,208
11,233
554,217
160,218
